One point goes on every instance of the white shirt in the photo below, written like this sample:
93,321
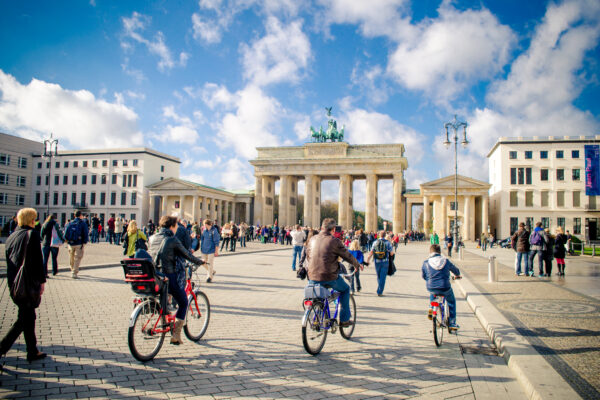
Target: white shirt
297,238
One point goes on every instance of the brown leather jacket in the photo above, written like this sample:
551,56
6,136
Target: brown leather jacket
322,255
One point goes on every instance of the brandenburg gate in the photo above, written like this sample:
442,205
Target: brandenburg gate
315,162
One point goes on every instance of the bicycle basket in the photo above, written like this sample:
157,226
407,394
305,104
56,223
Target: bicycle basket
316,291
140,273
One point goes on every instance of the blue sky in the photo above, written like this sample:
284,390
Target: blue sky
210,80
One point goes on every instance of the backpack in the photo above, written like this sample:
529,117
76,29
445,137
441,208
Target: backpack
72,232
380,250
535,238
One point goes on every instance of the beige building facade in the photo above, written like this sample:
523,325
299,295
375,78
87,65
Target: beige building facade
315,162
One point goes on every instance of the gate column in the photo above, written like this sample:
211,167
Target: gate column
371,204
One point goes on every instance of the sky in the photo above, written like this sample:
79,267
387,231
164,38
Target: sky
209,81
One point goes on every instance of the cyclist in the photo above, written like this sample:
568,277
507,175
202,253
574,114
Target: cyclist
436,271
322,258
164,248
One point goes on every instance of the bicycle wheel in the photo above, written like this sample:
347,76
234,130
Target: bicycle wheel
438,328
347,331
144,343
313,334
197,316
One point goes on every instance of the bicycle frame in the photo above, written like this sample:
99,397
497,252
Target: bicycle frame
439,303
326,312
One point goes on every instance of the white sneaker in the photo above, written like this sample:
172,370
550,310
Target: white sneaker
73,275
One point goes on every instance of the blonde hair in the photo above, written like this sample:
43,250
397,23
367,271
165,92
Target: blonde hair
559,229
354,245
26,216
132,227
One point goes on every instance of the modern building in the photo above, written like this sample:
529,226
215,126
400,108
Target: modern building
15,174
108,182
542,179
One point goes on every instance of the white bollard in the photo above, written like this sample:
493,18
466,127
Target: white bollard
492,269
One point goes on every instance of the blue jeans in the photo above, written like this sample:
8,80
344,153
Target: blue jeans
178,294
341,286
46,251
297,252
118,238
110,236
382,270
243,241
540,255
94,236
450,299
521,255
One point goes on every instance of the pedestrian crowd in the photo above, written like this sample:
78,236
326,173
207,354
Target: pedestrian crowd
543,244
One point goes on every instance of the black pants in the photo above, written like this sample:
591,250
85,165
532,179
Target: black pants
232,244
548,264
25,324
225,243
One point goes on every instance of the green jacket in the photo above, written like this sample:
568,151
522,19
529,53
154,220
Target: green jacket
434,239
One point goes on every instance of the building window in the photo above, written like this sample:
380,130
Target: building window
592,202
560,174
134,180
577,226
135,162
73,198
528,176
56,180
94,177
513,176
55,199
103,179
113,198
105,163
84,179
560,198
162,168
65,179
115,163
545,222
93,198
576,198
38,198
21,181
528,155
82,199
75,164
48,165
124,180
560,221
576,174
132,216
74,180
560,154
543,154
38,180
514,199
22,162
134,198
113,179
529,223
5,159
102,198
85,164
4,198
94,163
529,198
452,206
512,155
574,153
46,179
543,174
57,164
64,199
3,179
177,204
66,164
129,179
21,199
124,163
123,198
514,225
39,165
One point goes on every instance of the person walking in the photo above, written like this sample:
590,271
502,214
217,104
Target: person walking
360,257
23,251
76,235
226,235
484,241
520,242
381,251
52,238
297,241
132,236
548,252
235,232
110,231
94,231
559,250
449,244
536,243
118,230
434,239
209,248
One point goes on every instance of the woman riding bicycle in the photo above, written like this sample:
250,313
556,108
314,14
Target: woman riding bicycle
164,248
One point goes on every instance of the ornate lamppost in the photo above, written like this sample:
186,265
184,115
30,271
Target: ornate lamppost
50,151
455,125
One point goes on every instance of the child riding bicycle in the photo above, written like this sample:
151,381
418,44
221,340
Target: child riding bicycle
436,271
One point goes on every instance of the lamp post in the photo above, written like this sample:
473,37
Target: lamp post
455,125
50,150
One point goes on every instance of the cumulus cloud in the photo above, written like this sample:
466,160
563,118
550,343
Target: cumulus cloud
236,175
279,56
76,117
182,131
133,29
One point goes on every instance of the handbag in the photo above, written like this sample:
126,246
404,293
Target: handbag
140,244
24,291
55,241
391,266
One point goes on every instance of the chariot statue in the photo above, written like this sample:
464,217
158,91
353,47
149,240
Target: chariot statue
331,133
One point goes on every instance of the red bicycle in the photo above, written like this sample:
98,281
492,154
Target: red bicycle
149,321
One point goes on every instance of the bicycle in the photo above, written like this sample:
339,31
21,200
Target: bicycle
440,316
149,323
317,320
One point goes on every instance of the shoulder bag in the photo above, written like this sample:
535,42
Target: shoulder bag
24,291
391,266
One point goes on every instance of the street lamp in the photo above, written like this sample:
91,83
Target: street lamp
455,125
50,150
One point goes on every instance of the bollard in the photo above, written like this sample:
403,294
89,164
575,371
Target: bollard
593,250
461,255
492,270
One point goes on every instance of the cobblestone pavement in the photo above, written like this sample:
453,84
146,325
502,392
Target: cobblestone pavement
253,346
558,317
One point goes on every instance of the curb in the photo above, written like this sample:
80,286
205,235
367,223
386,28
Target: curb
538,378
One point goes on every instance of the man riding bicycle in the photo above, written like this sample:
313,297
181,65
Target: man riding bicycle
436,271
322,254
164,248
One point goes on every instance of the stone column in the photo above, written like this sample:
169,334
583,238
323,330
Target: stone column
284,200
163,206
201,208
371,204
343,202
308,199
467,218
350,203
293,201
247,219
445,215
484,213
426,225
397,206
151,207
409,215
258,201
317,202
268,190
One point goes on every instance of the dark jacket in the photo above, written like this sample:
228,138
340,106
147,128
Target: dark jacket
559,246
436,271
15,251
172,249
522,240
47,232
83,236
322,255
184,236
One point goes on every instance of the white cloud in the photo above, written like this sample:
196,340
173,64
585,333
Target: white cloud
75,117
215,96
197,178
135,95
236,174
372,83
134,27
136,74
183,132
279,56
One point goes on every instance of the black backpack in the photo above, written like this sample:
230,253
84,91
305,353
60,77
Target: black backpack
380,249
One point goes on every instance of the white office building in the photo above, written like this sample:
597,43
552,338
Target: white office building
542,179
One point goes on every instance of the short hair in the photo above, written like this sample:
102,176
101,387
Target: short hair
167,221
77,213
381,234
435,248
297,226
328,224
538,224
208,222
26,216
522,225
